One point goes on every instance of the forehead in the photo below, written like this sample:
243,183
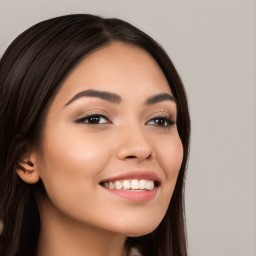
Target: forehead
120,68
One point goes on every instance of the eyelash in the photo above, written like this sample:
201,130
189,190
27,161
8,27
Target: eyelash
168,122
97,116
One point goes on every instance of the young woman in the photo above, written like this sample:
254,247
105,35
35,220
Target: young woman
94,142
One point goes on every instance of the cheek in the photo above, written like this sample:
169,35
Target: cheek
74,151
170,155
70,165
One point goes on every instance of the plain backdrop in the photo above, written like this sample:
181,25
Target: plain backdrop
213,45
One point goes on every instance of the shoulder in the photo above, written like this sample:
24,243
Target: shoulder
134,252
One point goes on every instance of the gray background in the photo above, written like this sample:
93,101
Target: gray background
213,45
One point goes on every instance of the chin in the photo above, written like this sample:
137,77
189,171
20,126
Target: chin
141,229
142,232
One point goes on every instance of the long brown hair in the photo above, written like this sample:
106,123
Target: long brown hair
31,71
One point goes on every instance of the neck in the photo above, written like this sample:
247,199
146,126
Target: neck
62,235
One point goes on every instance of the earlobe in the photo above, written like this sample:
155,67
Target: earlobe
27,170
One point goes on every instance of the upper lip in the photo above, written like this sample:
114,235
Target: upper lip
146,175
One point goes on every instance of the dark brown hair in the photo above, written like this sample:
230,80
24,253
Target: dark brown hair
31,71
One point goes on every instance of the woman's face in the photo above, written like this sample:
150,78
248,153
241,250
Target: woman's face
111,126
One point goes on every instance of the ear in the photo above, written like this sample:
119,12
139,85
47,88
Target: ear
27,169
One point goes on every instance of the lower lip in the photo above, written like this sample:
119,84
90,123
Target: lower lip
136,196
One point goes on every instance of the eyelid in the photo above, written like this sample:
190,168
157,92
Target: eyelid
84,114
87,111
163,112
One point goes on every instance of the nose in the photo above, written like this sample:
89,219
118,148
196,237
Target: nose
133,144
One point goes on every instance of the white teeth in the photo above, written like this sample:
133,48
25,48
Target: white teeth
118,185
126,184
149,184
130,185
142,184
134,184
111,185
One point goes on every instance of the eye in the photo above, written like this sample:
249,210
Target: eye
161,121
94,119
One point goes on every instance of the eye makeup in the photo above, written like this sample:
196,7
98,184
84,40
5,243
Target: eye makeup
94,119
161,117
161,121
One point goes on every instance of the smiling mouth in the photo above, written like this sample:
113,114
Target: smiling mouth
131,185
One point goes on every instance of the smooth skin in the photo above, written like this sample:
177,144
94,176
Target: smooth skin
78,216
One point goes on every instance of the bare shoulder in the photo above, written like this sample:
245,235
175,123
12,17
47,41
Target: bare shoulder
134,252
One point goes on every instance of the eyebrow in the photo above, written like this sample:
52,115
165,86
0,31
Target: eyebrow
108,96
115,98
160,97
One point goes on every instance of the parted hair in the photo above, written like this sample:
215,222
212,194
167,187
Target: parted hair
32,70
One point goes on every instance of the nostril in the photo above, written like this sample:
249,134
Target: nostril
133,151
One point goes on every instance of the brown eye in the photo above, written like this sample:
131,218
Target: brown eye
161,121
94,119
